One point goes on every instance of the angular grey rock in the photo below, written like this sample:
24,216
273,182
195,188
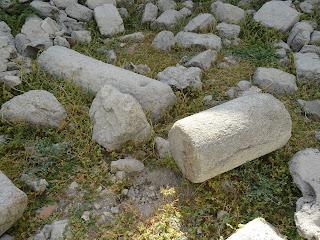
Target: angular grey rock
273,80
229,31
123,12
150,13
225,12
168,19
109,20
311,108
163,147
56,231
203,60
13,203
50,26
69,24
188,4
79,12
257,229
181,77
117,118
63,4
133,37
95,3
224,137
61,41
127,165
204,22
36,107
315,38
304,168
35,184
10,80
165,5
92,74
306,7
164,41
278,15
81,36
310,49
45,9
307,67
300,35
189,39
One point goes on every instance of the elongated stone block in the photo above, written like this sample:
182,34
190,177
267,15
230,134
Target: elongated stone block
92,74
219,139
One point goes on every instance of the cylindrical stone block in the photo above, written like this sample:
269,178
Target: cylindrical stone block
154,96
224,137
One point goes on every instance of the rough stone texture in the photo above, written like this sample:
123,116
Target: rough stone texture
311,108
204,22
310,49
307,67
317,135
203,60
164,41
315,37
181,77
168,19
163,147
79,12
92,74
95,3
45,9
165,5
81,36
278,15
304,168
12,203
117,118
300,35
150,13
63,4
61,41
109,20
225,12
273,80
127,165
10,80
36,107
257,229
189,39
219,139
229,31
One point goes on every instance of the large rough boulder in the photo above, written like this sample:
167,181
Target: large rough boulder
273,80
109,20
278,15
304,168
307,67
92,74
224,137
117,118
13,202
300,35
225,12
257,229
35,107
189,39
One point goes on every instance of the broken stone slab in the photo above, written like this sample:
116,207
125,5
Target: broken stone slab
204,22
225,12
127,165
276,81
35,107
257,229
150,13
181,77
108,20
13,202
117,118
164,41
307,67
311,108
79,12
189,39
224,137
300,35
203,60
92,4
278,15
92,74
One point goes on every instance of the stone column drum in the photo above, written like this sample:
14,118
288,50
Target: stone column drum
224,137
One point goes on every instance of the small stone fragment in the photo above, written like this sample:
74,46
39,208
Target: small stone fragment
311,108
128,165
203,60
35,184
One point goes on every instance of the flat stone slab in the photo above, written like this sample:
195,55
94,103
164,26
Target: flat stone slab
278,15
307,67
92,74
189,39
13,202
257,229
224,137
